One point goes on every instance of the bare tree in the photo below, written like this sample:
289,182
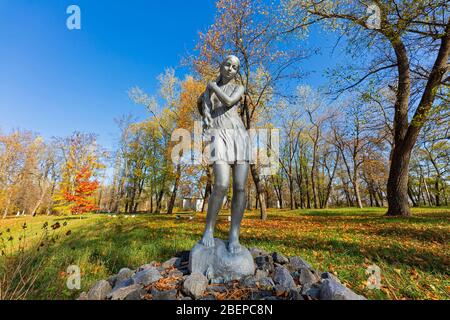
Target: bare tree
409,52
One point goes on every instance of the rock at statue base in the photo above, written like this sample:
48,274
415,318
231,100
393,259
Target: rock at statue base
218,264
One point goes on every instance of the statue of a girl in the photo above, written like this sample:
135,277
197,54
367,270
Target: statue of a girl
231,149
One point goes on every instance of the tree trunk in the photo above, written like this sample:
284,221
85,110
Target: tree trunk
8,202
313,185
291,192
280,199
132,200
357,193
347,194
39,202
151,202
36,207
174,192
159,201
380,196
299,179
375,197
437,195
444,190
5,212
172,198
411,197
249,200
330,181
397,186
405,135
427,191
308,195
207,188
277,187
259,192
99,202
138,197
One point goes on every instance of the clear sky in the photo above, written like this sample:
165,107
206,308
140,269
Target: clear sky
54,81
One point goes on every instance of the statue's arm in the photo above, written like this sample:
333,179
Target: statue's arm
227,100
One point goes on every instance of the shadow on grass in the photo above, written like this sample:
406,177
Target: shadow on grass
65,218
111,244
164,241
127,243
427,235
393,255
364,218
331,212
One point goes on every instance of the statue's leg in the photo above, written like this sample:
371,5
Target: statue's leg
220,188
240,173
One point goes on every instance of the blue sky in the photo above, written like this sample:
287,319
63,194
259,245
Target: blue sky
54,81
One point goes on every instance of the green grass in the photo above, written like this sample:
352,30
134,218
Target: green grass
412,253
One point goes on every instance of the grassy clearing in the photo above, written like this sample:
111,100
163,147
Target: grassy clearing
413,253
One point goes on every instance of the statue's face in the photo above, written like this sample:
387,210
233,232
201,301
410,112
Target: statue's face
229,69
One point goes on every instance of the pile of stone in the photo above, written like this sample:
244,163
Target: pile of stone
276,277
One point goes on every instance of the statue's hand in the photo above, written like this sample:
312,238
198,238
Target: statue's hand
211,85
209,120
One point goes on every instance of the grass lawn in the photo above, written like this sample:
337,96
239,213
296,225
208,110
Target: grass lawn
412,253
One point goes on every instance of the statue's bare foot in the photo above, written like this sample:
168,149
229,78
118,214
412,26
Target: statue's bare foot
234,246
208,239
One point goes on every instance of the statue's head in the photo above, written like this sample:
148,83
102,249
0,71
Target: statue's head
229,67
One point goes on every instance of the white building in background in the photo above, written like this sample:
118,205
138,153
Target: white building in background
194,204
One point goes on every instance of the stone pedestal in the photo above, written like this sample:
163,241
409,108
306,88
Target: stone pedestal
218,264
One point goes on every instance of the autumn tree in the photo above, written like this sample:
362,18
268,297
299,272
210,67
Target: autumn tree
84,188
404,46
291,127
81,159
139,167
429,174
246,29
17,160
352,137
191,89
29,173
174,106
40,176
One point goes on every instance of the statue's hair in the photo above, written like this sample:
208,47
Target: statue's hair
231,56
206,108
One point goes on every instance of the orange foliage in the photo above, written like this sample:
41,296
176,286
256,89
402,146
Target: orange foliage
190,91
84,189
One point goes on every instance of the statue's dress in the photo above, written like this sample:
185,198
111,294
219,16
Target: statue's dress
230,141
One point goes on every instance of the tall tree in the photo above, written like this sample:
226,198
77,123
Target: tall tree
79,152
16,156
245,28
407,47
